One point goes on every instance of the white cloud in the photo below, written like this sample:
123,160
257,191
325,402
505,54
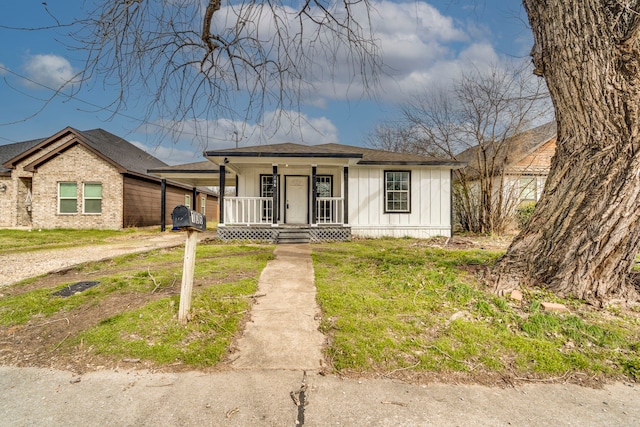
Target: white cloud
419,46
171,155
48,70
276,127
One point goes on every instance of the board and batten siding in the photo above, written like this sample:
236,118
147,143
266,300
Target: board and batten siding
430,204
142,200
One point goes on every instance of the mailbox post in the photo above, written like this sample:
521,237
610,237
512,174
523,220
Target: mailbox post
193,222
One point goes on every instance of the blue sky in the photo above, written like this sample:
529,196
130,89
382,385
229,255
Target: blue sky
423,44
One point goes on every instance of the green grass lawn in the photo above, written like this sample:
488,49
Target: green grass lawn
397,304
226,275
388,306
12,241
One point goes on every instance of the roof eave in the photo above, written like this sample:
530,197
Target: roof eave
290,155
453,165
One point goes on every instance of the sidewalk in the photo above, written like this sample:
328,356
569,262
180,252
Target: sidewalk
283,331
276,380
42,397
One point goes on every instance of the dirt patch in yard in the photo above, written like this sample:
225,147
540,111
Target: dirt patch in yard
43,341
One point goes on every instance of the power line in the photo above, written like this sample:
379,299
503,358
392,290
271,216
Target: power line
58,92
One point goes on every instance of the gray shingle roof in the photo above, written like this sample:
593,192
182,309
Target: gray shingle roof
367,156
9,151
119,151
516,149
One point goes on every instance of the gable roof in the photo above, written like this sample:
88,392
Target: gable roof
9,151
362,156
125,156
515,149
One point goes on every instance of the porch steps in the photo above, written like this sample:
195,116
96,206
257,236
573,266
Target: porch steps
293,235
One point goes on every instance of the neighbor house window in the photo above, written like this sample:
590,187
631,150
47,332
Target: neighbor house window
397,186
528,189
187,201
67,197
203,205
92,198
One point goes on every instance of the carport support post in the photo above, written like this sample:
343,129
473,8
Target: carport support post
188,270
163,204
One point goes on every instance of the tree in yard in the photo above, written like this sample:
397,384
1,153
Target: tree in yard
477,121
190,61
584,234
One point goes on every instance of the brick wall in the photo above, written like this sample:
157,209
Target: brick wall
79,165
6,202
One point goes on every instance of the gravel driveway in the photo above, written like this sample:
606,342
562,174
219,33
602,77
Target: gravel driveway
16,267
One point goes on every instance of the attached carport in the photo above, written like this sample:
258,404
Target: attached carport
199,174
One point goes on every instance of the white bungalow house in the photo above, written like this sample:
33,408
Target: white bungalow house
326,192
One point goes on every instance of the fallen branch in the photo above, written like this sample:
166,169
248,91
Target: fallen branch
52,321
444,353
388,374
543,380
60,343
154,280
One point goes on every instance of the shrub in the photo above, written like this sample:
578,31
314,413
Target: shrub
524,213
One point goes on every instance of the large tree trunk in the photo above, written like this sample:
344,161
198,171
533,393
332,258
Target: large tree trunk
584,235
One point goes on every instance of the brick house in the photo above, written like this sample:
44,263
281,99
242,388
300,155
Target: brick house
88,179
524,162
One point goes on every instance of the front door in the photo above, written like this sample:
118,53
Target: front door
296,199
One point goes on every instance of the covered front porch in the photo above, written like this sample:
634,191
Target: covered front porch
270,195
282,198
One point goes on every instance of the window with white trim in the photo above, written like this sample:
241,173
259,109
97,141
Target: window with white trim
397,191
203,205
528,189
67,197
187,200
92,198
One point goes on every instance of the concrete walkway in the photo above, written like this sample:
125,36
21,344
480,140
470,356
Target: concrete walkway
283,331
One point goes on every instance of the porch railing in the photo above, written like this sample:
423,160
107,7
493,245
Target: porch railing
329,210
259,210
248,210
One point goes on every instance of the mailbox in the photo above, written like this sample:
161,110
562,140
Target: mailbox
185,218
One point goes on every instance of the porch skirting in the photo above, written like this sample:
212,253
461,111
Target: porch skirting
321,233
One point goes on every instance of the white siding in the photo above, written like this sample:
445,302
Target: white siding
430,203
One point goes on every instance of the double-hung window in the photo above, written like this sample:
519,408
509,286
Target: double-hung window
67,197
397,193
92,198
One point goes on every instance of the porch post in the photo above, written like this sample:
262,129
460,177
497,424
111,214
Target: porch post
451,201
194,199
221,193
314,194
345,195
163,204
276,190
236,185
